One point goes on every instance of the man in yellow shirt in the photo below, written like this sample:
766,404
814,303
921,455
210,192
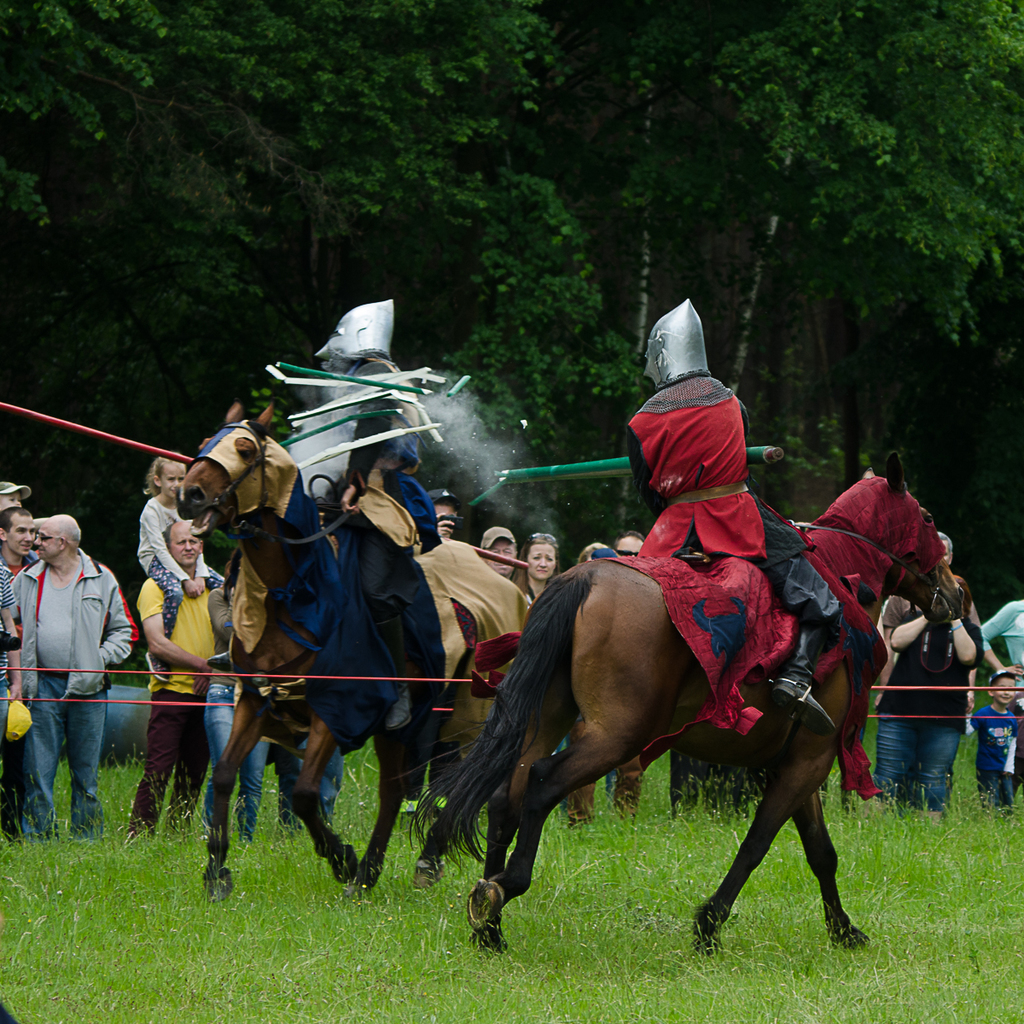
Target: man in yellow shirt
176,738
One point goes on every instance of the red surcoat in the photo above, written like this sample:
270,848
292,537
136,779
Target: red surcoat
675,450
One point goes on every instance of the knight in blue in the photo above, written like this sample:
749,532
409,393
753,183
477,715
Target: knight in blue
389,506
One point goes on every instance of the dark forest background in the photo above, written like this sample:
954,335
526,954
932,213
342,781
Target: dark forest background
192,190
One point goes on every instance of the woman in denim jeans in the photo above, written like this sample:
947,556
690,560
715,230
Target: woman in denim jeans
919,730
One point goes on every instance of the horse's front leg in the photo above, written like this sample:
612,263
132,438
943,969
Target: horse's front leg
784,794
823,861
391,757
245,734
306,802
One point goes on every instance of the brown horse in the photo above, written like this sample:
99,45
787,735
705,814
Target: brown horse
599,642
210,498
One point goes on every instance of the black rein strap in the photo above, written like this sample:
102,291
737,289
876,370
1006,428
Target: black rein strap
248,530
867,540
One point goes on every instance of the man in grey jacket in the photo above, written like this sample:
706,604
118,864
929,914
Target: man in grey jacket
74,618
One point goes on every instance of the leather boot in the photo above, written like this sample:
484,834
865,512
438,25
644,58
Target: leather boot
393,635
791,687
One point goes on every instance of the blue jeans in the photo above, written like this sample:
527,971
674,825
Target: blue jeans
288,767
995,788
80,724
218,716
915,756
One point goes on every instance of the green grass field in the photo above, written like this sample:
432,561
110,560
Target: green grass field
121,932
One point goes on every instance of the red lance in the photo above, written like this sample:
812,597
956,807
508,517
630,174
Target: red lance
77,428
102,435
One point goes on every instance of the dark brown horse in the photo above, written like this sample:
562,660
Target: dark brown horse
209,497
599,642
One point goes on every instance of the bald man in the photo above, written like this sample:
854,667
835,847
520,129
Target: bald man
75,625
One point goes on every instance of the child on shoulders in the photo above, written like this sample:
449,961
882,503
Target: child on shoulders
996,727
163,478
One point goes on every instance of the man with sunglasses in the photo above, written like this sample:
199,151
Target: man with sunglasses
75,625
628,543
687,451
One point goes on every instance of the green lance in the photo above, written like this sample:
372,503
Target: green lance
335,423
603,469
345,379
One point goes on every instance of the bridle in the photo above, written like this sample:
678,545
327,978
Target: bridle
928,579
244,530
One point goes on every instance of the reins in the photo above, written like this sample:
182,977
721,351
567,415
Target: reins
906,566
867,540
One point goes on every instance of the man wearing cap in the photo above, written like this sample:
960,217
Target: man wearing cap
446,507
13,494
501,541
687,452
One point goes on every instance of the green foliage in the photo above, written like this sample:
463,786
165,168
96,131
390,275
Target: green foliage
899,127
51,51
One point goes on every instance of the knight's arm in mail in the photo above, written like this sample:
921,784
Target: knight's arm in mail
642,472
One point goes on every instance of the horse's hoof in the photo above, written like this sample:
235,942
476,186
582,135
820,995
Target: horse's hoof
346,869
850,938
219,886
429,870
706,928
354,889
485,903
490,939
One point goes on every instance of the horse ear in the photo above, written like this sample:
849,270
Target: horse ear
894,474
236,413
245,448
266,417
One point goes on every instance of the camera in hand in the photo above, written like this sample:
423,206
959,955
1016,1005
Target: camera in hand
456,521
9,641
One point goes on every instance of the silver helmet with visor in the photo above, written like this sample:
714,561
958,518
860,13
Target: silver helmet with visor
676,346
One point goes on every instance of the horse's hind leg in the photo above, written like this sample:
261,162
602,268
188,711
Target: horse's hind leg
391,756
245,734
306,802
823,861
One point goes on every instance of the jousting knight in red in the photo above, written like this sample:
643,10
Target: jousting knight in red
687,451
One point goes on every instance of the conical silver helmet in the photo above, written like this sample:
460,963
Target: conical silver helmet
363,329
676,345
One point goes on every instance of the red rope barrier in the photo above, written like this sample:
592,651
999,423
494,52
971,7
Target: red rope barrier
234,675
149,703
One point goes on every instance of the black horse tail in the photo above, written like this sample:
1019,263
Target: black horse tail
451,807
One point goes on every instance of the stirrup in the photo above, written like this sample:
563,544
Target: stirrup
802,707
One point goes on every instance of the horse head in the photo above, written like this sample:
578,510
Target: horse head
227,462
908,556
